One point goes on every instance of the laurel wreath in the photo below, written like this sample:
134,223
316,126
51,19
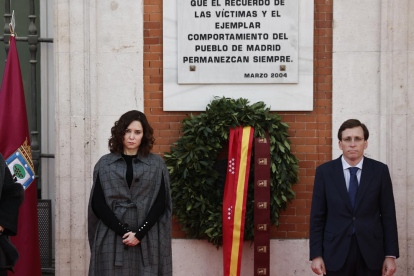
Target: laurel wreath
197,199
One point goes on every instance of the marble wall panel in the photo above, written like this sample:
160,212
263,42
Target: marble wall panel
399,93
118,28
78,94
354,36
410,192
119,83
98,49
357,83
287,258
399,24
389,104
62,61
62,137
61,20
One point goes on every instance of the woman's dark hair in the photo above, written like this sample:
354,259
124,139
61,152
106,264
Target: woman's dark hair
351,123
116,144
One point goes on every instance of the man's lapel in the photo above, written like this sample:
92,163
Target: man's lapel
366,177
339,180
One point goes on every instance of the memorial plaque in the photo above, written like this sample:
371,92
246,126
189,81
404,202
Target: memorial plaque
216,48
237,41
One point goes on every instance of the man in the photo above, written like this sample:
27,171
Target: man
353,228
11,198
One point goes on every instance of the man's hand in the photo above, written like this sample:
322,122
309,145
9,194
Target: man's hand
389,267
318,266
2,228
130,239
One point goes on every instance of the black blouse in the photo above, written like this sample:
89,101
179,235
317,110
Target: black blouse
105,214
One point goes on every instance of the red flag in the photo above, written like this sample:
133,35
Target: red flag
15,147
234,200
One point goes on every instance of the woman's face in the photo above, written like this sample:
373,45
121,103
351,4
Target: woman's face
132,138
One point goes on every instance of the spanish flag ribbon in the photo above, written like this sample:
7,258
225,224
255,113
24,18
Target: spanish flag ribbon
235,194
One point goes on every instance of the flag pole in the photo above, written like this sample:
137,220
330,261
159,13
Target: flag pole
12,25
33,40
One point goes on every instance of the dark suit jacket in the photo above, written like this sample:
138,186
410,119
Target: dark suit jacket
11,198
332,217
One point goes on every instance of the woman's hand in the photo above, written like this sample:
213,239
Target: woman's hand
130,239
1,228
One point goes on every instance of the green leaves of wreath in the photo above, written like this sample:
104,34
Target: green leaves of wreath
197,200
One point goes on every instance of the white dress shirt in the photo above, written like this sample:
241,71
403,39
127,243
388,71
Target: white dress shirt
347,173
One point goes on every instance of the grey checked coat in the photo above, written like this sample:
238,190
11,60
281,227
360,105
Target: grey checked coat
152,256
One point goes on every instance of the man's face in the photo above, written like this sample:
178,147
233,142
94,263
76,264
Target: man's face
353,144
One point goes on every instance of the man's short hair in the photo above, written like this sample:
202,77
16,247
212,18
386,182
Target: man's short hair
351,123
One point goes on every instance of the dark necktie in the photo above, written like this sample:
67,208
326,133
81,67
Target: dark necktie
353,185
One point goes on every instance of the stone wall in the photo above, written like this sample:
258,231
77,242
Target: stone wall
108,59
310,131
98,54
373,69
311,143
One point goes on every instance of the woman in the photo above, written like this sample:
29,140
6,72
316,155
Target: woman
130,205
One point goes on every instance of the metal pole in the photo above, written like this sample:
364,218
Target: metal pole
33,40
7,17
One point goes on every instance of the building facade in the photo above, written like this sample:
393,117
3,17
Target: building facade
108,58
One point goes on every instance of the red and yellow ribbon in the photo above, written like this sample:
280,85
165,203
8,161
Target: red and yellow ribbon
234,201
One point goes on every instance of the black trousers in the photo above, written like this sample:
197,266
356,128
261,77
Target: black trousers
3,272
354,263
